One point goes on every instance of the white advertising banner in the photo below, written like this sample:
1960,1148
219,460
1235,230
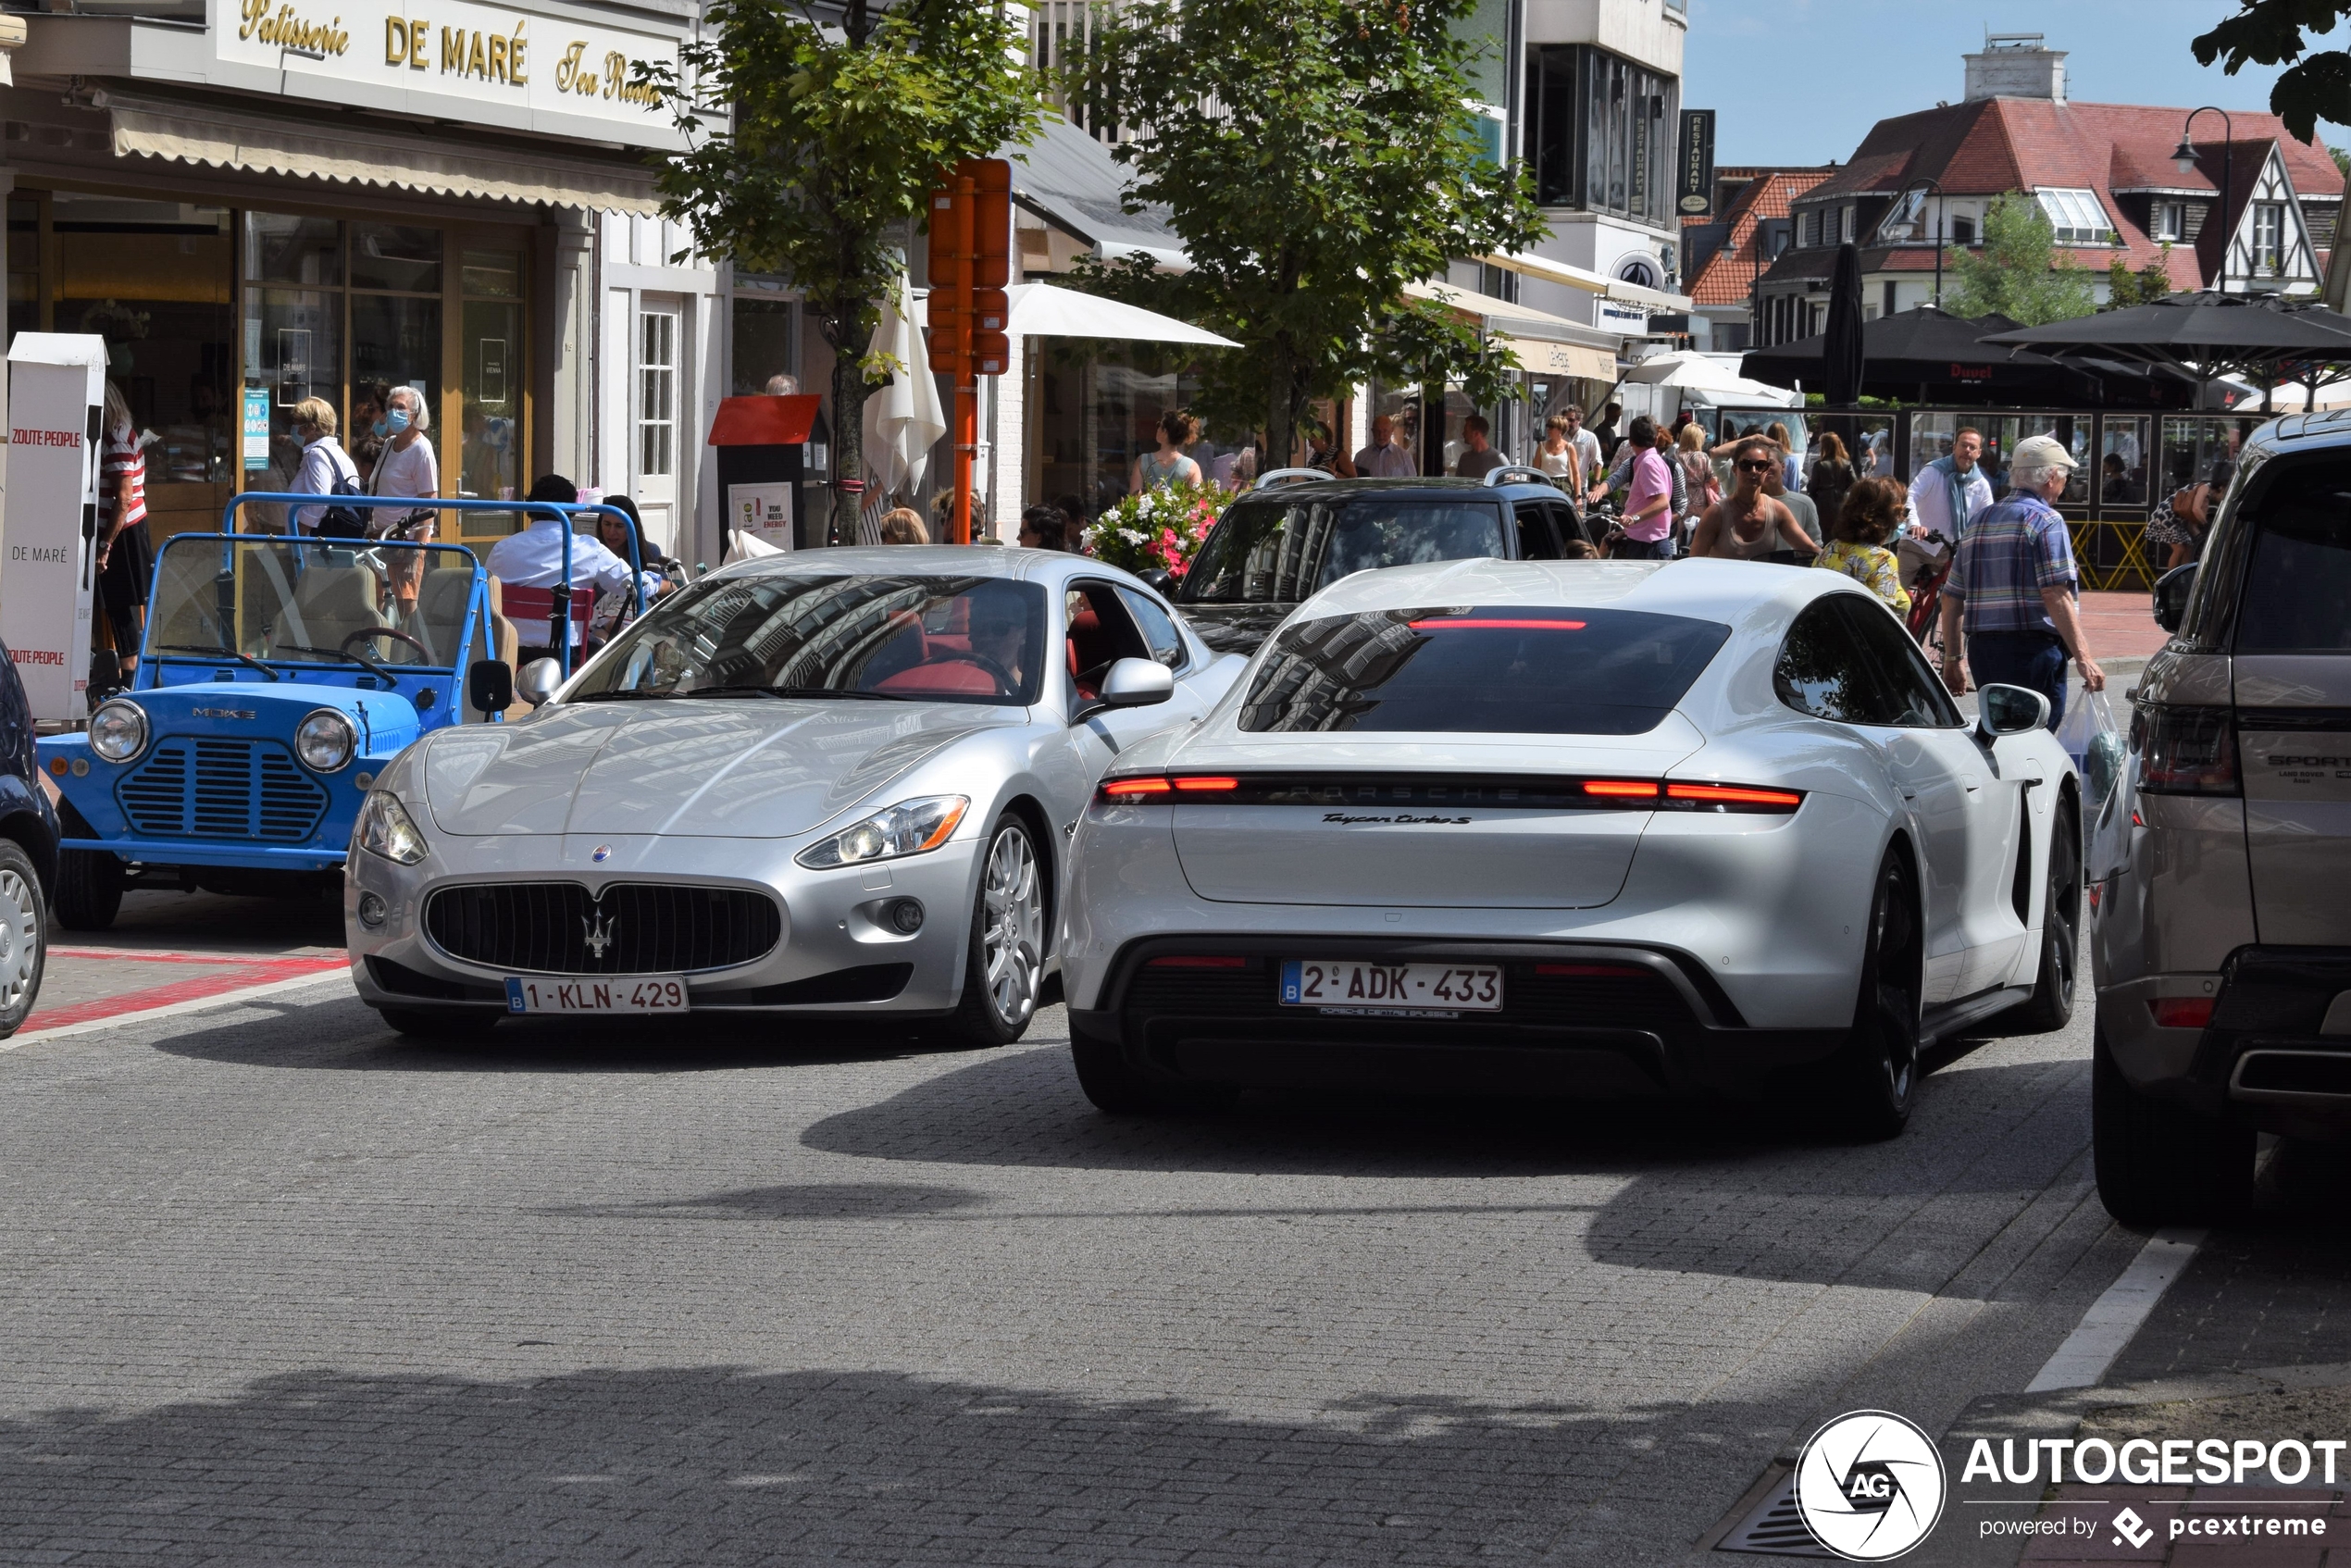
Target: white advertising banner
472,55
56,388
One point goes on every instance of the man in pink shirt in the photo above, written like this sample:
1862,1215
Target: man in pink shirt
1649,504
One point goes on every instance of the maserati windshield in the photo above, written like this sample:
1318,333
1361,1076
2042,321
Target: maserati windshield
917,639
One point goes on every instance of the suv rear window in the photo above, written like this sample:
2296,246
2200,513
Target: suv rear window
2297,588
1273,552
1480,669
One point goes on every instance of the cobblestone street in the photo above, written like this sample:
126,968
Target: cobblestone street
286,1289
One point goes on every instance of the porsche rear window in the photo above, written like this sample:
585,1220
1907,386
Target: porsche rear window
1480,669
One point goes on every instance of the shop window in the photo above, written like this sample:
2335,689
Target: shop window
764,349
153,279
390,256
281,248
1094,409
658,395
24,267
491,377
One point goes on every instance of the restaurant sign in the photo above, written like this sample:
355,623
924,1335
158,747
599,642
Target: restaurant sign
484,55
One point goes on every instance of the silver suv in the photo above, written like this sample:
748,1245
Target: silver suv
2220,872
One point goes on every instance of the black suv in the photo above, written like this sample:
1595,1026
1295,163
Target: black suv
1282,542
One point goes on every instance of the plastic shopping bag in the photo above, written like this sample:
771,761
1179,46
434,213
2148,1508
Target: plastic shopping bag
2091,736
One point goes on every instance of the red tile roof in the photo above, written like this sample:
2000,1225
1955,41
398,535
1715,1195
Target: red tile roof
1995,145
1729,271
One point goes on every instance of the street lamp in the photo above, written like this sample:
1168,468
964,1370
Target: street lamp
1932,184
2184,159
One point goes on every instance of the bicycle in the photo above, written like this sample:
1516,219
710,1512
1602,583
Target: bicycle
1925,584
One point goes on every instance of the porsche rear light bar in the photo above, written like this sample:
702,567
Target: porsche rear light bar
1427,790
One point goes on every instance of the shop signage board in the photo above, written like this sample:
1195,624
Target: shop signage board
449,58
1694,191
56,388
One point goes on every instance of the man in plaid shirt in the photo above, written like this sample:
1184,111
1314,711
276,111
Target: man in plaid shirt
2015,581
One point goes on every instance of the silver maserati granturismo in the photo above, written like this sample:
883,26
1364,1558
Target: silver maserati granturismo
840,784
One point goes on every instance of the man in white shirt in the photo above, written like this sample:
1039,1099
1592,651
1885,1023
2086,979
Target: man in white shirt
1952,491
529,569
1587,445
1384,459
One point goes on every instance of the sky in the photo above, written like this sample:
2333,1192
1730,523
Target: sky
1801,81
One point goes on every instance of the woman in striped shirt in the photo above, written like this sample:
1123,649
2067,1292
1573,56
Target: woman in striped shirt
126,561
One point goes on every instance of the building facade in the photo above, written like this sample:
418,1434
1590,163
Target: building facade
255,204
2110,178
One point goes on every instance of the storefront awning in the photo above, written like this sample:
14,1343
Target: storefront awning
1591,282
1539,358
1508,319
1041,310
159,128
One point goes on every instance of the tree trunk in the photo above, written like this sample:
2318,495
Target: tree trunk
840,322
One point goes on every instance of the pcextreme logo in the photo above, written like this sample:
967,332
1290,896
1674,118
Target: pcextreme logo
1870,1486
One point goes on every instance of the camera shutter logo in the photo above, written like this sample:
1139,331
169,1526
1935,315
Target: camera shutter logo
1870,1486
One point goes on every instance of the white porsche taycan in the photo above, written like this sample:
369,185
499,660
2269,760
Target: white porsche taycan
1577,826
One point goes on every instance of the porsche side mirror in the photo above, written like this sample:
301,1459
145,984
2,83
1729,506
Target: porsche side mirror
2171,591
536,680
2010,710
490,686
1137,683
1159,582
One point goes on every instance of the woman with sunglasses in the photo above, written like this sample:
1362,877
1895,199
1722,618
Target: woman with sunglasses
1749,525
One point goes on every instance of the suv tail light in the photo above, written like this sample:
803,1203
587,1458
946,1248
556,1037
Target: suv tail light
2185,751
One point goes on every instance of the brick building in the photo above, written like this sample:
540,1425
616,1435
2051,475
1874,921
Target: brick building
2106,174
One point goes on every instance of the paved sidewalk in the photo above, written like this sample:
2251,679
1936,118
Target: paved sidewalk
2121,626
171,948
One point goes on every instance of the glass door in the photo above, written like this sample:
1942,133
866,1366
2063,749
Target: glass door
659,320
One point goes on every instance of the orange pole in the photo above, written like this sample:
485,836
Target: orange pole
966,393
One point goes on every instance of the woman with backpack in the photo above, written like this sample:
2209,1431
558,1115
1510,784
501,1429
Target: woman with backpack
326,469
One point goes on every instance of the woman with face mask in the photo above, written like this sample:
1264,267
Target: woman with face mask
406,468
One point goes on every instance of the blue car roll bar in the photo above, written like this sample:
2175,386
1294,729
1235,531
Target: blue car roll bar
559,624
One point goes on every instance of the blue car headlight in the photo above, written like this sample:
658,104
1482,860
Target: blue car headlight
908,827
325,740
119,730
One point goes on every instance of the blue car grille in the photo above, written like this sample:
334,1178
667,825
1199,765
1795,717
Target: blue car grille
219,789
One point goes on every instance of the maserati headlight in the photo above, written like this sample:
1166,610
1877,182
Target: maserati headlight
908,827
119,730
385,829
324,740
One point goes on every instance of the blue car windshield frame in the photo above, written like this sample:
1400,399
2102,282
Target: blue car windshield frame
274,600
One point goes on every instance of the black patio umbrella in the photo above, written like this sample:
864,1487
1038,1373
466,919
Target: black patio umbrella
1842,346
1927,355
2202,334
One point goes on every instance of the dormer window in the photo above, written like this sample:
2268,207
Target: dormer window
2077,216
2168,222
1812,230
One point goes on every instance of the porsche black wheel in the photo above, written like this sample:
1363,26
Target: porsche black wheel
1114,1087
1874,1080
2051,1007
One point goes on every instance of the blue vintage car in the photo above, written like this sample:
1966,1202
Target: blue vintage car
279,676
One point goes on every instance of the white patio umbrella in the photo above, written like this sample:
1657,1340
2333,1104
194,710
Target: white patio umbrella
903,419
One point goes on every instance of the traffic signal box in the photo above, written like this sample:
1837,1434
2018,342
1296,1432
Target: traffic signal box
971,232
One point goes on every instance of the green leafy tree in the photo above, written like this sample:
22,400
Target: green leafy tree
1317,157
813,150
2016,272
2269,33
2126,287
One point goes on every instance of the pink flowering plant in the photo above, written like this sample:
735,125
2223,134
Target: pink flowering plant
1158,531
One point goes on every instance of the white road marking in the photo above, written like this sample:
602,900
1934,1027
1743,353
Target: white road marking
173,1009
2114,1318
